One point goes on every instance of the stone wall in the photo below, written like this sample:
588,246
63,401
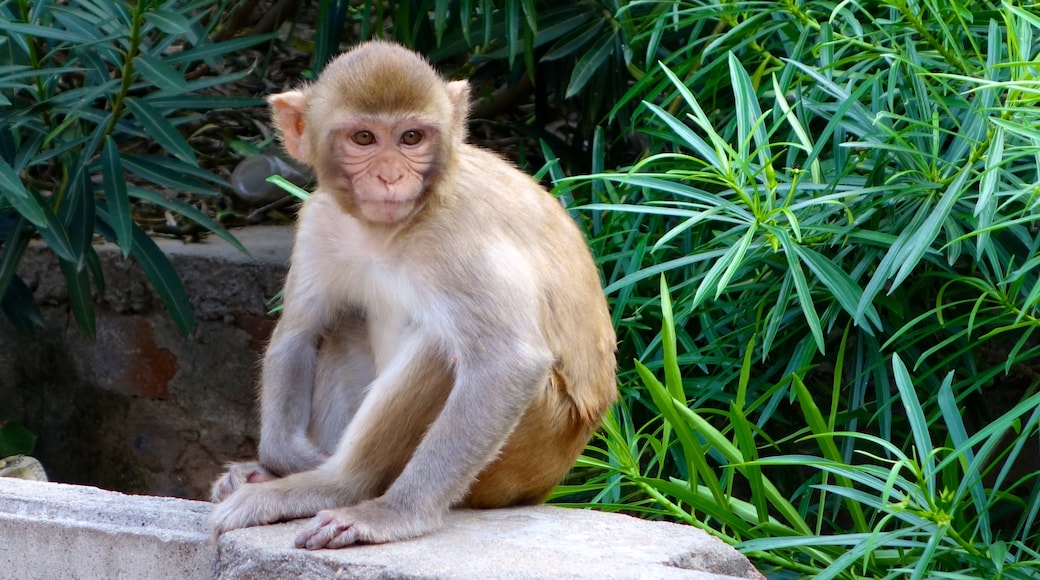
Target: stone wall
49,531
143,408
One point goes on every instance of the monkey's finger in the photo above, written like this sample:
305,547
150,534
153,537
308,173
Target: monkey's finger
321,529
347,537
327,536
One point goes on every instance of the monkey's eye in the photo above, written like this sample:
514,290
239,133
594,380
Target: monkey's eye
411,137
363,138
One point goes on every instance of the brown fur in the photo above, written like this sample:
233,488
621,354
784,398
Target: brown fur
445,344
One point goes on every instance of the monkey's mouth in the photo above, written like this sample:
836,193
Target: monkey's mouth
386,210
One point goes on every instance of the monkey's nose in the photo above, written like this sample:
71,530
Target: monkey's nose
390,178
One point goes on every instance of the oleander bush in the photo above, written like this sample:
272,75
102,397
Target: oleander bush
97,102
825,269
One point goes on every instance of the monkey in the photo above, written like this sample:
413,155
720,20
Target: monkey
444,340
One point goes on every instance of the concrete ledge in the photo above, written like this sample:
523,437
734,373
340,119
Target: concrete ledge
51,530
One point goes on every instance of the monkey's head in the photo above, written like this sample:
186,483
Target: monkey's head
380,127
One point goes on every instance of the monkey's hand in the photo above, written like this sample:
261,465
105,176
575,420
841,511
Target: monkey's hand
237,475
251,505
372,522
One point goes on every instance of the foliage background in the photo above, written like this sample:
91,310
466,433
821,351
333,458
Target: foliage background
817,224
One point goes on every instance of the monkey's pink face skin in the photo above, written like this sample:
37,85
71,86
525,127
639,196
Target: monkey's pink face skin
385,165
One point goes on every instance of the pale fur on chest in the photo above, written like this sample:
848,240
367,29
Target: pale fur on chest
347,266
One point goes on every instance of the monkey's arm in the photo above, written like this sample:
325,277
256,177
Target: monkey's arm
496,376
287,381
376,445
285,403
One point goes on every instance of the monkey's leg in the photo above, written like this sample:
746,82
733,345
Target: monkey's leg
539,454
488,397
345,370
375,447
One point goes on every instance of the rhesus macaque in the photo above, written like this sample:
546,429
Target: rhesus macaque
444,341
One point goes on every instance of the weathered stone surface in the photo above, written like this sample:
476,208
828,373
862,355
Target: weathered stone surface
59,531
49,530
143,408
531,542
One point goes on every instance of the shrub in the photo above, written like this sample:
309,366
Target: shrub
831,189
95,99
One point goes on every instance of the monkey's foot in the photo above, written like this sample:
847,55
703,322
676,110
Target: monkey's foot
237,475
257,504
371,522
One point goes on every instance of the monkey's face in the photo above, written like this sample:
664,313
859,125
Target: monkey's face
380,127
380,167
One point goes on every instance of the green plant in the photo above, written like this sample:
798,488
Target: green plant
886,511
15,439
831,189
804,212
96,99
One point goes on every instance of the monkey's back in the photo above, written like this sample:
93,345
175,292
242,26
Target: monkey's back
577,328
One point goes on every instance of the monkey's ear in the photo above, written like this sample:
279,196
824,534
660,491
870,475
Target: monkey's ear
288,109
458,92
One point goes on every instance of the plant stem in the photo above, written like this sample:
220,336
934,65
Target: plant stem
127,72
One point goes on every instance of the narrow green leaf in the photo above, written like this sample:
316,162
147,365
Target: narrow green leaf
573,43
972,480
689,138
21,310
591,62
172,173
916,419
800,132
531,15
722,271
748,111
465,20
672,377
551,30
698,424
114,183
13,250
164,279
801,288
440,19
159,73
77,211
216,49
693,451
81,298
487,9
201,102
289,187
165,134
744,440
512,9
825,439
53,232
189,211
723,151
48,32
12,189
842,286
920,241
168,21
